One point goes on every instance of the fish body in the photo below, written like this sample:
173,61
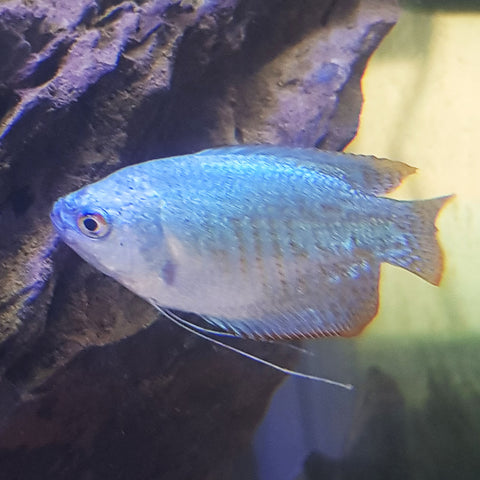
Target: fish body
262,241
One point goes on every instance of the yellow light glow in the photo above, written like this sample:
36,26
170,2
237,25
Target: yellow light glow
422,107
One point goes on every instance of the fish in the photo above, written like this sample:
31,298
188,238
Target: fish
262,242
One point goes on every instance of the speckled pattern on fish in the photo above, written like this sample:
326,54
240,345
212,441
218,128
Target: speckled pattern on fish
262,241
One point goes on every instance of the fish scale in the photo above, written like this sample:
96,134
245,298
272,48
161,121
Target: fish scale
259,239
278,257
240,246
264,241
274,267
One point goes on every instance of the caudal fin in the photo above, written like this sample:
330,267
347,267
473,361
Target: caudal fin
426,259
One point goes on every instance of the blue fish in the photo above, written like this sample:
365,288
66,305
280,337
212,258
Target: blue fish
264,242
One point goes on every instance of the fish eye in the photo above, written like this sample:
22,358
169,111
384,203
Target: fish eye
94,225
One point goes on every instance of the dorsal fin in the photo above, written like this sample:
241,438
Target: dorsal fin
366,173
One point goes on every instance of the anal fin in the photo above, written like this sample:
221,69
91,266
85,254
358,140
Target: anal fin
341,304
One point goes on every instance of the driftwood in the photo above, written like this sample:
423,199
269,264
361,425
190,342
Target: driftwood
90,386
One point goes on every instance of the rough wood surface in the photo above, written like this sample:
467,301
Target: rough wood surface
90,386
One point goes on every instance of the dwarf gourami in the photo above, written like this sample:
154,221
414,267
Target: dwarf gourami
265,242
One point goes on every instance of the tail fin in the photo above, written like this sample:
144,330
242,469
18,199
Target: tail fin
426,259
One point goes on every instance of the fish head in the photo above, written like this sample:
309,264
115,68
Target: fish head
115,225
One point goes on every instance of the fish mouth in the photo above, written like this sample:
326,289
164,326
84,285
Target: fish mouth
56,215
